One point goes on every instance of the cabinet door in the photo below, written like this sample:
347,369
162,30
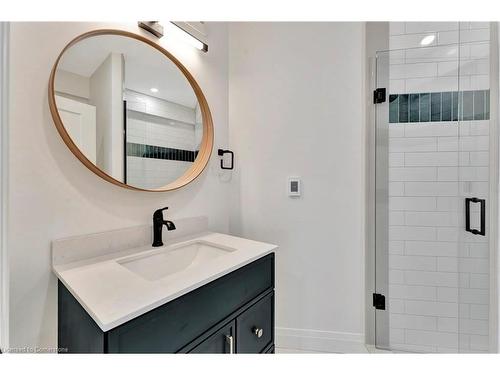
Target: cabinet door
222,341
255,327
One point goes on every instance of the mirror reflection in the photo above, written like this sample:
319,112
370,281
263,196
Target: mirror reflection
129,109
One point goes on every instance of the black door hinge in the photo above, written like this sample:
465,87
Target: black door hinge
379,301
379,95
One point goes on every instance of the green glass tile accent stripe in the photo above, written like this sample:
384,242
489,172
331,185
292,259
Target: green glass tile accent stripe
158,152
440,106
436,106
425,107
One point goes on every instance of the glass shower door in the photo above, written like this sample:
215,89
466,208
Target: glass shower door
432,153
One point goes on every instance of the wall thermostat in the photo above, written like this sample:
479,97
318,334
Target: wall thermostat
294,187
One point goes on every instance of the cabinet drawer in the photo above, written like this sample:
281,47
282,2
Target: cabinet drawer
255,327
222,341
172,326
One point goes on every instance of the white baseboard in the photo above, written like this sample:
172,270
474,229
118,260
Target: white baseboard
320,341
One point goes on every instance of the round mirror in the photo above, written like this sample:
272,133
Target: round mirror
130,111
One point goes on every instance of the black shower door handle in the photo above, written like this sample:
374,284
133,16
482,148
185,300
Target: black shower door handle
468,201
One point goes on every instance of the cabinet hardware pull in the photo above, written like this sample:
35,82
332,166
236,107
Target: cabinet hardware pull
258,332
230,342
482,231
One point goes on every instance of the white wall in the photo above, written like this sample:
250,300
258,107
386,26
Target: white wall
296,109
72,84
4,293
106,94
54,196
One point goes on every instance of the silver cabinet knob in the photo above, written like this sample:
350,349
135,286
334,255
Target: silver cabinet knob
258,332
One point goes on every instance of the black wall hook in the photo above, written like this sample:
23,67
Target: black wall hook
221,152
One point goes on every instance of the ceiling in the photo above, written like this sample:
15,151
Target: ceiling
145,67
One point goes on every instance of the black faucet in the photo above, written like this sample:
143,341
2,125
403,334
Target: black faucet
158,223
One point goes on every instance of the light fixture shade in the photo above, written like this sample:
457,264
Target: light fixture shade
193,33
153,27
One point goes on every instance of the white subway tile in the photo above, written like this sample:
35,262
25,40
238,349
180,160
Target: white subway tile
479,25
412,144
431,248
397,335
463,310
396,159
418,70
475,188
429,308
396,218
434,84
474,35
431,189
479,127
438,53
448,37
444,339
480,158
422,27
416,322
464,280
396,277
408,348
447,264
412,174
479,250
479,311
412,203
413,292
431,219
431,159
474,326
395,131
407,262
477,82
450,204
479,281
431,129
448,68
448,279
397,86
479,342
463,143
479,50
478,265
447,173
396,247
396,305
407,41
400,233
447,294
477,296
396,189
396,28
463,174
447,324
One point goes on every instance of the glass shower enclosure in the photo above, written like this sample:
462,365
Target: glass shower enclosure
434,179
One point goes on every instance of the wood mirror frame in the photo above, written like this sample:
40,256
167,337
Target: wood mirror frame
208,132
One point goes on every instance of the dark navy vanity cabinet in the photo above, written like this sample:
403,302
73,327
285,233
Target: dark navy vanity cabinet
232,314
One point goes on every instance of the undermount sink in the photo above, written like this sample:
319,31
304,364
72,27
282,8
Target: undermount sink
165,261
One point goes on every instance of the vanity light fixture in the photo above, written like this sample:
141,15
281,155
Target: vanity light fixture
426,40
153,89
182,34
174,30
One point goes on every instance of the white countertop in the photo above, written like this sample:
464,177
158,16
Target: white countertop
112,294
